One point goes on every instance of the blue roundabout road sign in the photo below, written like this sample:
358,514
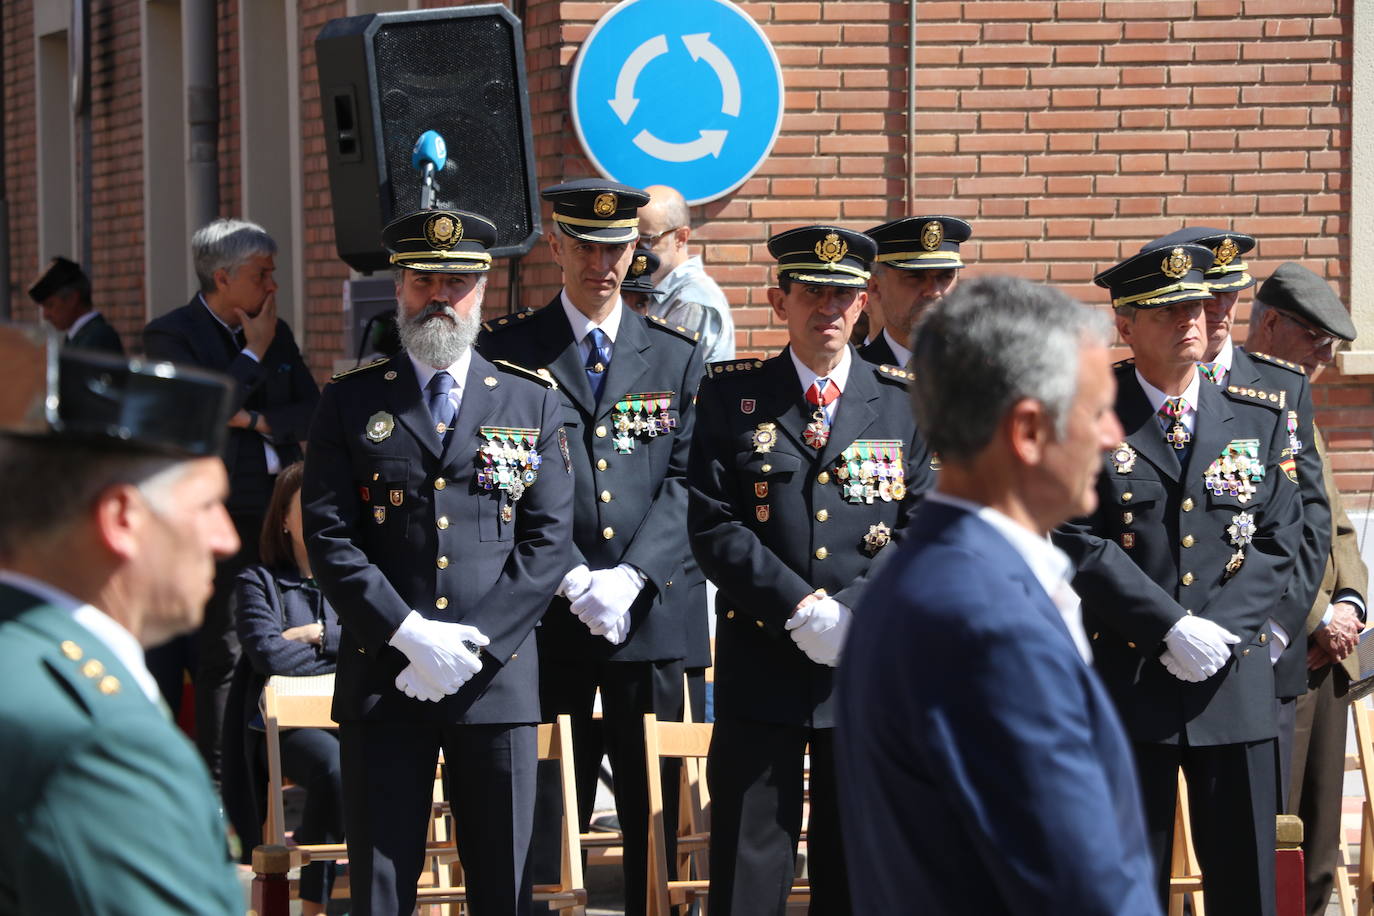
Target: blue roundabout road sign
686,93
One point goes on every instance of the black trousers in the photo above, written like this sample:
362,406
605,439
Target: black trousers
628,691
755,774
1233,799
388,779
1318,779
310,759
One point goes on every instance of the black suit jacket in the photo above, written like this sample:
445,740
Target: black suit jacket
628,508
279,386
1256,370
97,334
770,527
396,522
1158,547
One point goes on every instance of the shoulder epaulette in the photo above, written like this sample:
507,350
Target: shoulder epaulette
542,376
356,369
679,330
506,321
1275,399
1124,363
91,668
731,366
895,373
1275,361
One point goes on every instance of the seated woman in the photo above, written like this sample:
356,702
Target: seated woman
285,627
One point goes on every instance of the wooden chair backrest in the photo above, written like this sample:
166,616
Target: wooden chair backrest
290,702
667,740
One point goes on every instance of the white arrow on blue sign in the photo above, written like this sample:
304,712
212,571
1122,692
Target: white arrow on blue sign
686,93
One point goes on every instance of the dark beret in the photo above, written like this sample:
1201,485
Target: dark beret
1295,289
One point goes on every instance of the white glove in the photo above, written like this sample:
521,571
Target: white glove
575,582
819,630
412,685
1191,675
443,654
605,604
1199,647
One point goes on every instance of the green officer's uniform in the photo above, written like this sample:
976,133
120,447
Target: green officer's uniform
107,806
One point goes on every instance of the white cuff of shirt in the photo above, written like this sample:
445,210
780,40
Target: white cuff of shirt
251,355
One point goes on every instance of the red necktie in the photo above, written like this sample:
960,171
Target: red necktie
821,393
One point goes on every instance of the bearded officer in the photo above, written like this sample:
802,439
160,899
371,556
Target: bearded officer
804,467
1181,568
628,385
437,505
916,266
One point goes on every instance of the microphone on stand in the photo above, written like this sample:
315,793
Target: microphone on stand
428,158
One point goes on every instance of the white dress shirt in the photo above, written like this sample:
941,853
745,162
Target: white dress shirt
1050,565
107,631
582,325
899,353
839,377
459,371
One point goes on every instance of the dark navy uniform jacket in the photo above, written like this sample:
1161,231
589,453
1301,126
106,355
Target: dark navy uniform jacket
878,352
770,527
629,508
1257,370
1159,546
395,522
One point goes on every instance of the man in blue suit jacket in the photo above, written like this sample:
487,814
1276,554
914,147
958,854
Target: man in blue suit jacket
983,769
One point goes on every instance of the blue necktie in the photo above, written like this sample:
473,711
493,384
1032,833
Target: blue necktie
598,360
440,405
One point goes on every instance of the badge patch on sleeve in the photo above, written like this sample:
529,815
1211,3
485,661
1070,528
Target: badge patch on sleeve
563,447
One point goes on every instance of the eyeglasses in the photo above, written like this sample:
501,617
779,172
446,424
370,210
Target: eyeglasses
649,241
1320,340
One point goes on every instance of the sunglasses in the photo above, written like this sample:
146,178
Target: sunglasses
1320,339
649,241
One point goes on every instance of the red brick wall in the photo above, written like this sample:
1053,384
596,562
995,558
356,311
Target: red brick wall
21,152
117,161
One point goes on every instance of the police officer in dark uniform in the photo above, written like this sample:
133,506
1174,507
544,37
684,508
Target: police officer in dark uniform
63,295
917,263
1228,363
1180,570
628,385
437,504
637,289
804,467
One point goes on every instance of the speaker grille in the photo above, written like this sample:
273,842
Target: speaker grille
454,76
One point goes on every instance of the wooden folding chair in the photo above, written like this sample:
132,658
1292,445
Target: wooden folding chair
304,702
569,895
1347,878
1185,874
1364,748
686,741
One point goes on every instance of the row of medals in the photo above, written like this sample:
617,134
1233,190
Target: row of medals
641,416
509,463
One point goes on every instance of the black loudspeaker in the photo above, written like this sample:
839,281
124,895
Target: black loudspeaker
386,78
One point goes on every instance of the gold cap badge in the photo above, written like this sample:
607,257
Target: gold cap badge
443,231
1226,252
640,265
932,234
1176,264
605,204
831,248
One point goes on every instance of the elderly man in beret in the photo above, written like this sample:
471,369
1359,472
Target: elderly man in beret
1296,317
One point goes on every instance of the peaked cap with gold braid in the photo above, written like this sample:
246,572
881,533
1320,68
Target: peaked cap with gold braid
447,241
1159,277
824,255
